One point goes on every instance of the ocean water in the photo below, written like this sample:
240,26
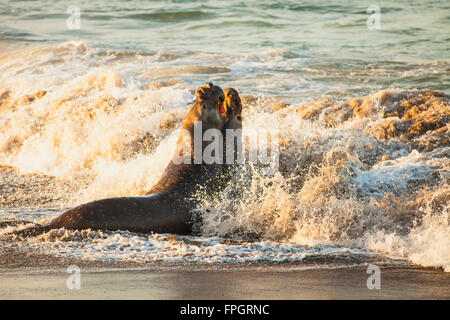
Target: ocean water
94,112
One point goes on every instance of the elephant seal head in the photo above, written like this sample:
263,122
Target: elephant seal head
209,107
208,110
233,105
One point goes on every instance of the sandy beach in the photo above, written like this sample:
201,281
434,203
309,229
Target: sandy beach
345,283
45,277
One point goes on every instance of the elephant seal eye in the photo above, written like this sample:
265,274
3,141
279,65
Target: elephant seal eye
222,99
239,118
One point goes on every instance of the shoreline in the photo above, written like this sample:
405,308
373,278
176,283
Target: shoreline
339,283
34,276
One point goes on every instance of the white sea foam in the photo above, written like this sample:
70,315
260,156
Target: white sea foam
168,248
108,124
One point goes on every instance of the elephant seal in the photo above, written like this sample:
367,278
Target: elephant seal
167,207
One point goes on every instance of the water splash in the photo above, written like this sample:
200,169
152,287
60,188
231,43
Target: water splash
369,173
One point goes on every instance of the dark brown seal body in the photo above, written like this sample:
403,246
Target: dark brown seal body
167,206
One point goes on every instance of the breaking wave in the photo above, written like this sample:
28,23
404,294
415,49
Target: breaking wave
368,173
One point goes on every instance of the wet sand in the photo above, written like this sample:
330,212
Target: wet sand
45,277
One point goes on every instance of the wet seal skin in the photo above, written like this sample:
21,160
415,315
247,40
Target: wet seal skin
166,208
